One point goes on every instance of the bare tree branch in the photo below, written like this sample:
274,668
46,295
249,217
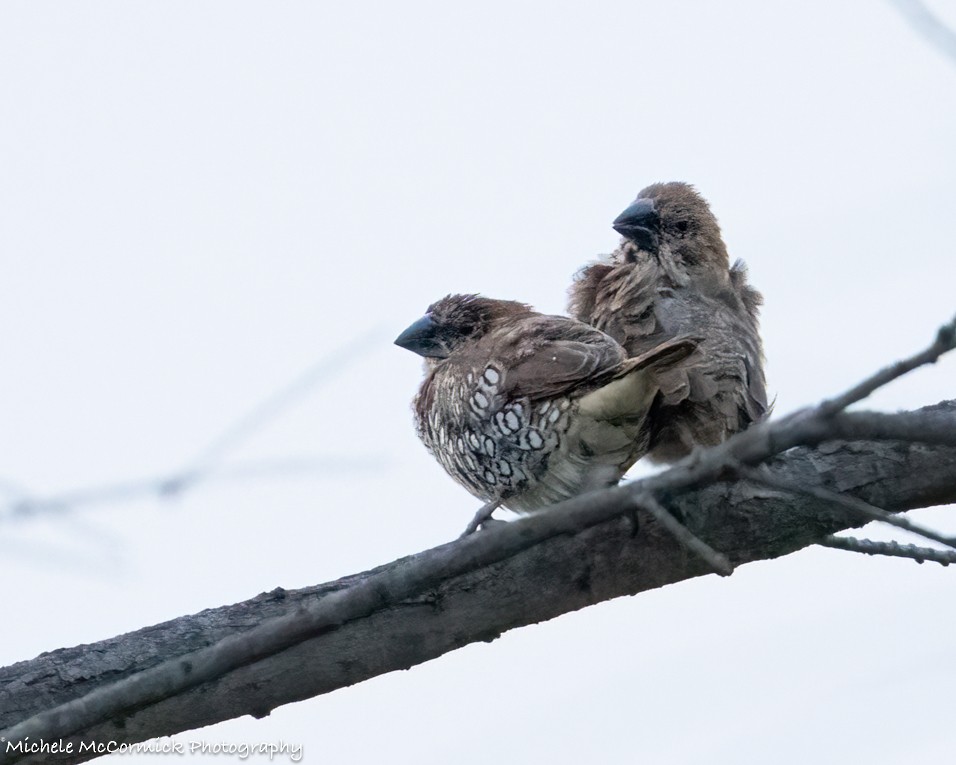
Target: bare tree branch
267,410
579,552
927,24
945,341
895,549
171,484
717,561
22,503
864,508
580,521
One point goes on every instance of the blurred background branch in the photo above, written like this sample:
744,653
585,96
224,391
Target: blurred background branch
208,466
929,26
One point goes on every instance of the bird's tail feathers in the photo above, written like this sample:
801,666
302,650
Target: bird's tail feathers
665,354
629,396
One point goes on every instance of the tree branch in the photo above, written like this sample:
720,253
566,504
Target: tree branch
584,522
895,549
717,561
230,660
864,508
944,342
207,465
927,24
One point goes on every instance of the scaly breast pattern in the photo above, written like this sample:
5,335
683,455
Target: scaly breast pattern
495,446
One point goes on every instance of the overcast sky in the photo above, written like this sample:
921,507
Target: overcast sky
200,202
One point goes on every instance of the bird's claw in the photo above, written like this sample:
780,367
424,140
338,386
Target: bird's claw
482,518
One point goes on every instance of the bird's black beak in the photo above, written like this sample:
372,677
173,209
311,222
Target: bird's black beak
641,223
420,338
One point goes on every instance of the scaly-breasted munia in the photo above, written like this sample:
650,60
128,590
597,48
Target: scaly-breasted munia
525,410
671,276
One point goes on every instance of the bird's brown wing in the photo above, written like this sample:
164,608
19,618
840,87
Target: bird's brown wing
549,356
561,356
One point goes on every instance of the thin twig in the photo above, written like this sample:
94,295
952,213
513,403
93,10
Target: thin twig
269,408
895,549
945,341
206,464
926,23
173,484
717,561
844,500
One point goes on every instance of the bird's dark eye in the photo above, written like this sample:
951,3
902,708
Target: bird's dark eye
682,225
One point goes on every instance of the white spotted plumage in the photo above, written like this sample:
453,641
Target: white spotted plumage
526,409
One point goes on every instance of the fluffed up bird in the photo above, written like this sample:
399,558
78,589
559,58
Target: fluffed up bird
671,276
525,410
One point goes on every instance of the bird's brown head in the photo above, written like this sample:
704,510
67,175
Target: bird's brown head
675,218
454,321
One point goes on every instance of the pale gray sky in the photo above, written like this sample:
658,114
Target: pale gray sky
202,200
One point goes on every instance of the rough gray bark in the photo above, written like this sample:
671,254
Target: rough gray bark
562,574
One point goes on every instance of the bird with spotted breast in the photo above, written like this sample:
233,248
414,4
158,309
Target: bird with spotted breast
525,410
671,275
